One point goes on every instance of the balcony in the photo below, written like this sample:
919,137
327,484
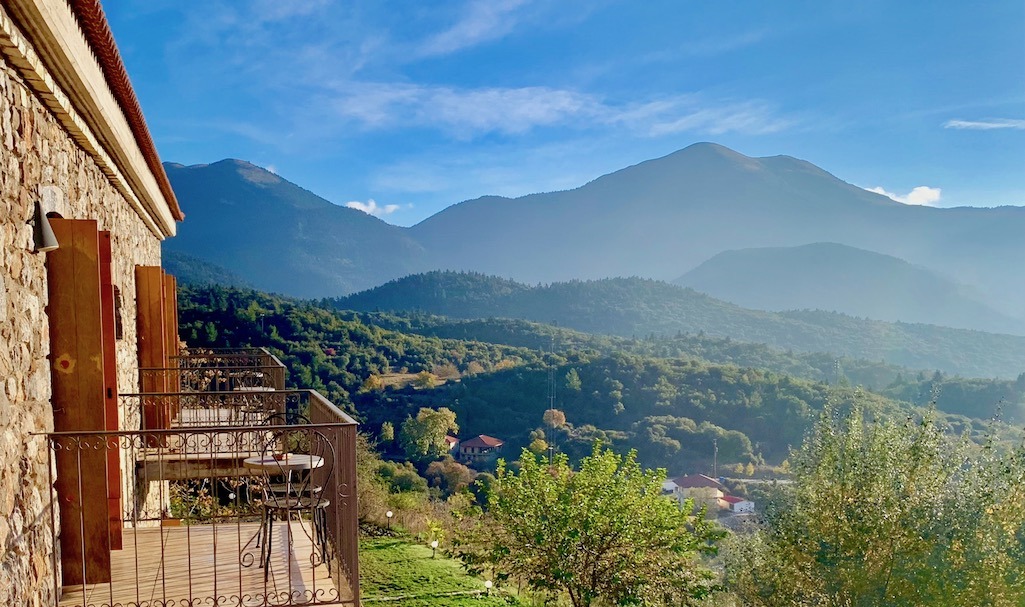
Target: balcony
185,519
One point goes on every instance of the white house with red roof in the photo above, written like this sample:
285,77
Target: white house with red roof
738,505
480,447
706,491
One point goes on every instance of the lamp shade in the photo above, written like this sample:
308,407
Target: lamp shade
43,239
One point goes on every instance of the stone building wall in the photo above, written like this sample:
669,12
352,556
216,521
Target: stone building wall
39,161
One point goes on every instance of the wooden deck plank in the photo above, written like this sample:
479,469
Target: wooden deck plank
201,562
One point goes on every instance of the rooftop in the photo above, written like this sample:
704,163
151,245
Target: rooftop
483,441
691,481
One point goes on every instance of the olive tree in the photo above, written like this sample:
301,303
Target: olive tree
423,437
889,512
603,534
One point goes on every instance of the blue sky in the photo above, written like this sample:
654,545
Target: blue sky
419,105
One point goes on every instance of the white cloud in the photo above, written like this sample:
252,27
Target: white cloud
921,195
370,207
468,113
986,125
481,21
272,168
464,113
751,117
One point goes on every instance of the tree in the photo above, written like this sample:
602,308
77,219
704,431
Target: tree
425,380
573,381
603,534
387,433
553,418
374,382
423,437
449,475
889,513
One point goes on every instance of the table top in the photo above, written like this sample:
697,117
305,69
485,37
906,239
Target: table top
284,462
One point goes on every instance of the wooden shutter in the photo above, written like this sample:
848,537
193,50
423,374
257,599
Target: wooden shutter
108,324
153,353
78,381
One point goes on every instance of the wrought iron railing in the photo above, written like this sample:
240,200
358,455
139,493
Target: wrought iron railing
194,521
207,379
167,410
216,369
225,357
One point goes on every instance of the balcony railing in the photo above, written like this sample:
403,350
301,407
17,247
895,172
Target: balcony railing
225,357
191,528
200,370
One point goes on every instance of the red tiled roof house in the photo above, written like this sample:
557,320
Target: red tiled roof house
481,446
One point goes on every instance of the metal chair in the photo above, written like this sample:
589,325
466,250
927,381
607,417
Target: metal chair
304,457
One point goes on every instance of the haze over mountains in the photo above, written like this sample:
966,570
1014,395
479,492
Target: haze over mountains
660,219
829,276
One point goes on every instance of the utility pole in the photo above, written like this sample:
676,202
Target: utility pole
715,458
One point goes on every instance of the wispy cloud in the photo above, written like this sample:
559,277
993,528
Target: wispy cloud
370,207
922,195
724,44
470,113
480,21
750,117
986,125
465,113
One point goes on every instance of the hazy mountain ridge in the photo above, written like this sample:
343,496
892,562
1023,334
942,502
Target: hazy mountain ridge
282,238
638,307
834,277
656,219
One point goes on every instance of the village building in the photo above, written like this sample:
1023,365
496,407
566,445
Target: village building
451,443
737,505
480,447
705,491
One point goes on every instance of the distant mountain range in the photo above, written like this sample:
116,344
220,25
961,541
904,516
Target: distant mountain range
658,219
834,277
635,307
279,237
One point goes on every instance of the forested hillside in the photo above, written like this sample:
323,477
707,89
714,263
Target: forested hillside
635,307
973,397
669,408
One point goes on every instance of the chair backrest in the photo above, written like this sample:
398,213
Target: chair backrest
301,457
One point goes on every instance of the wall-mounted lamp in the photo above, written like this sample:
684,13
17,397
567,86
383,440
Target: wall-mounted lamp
43,239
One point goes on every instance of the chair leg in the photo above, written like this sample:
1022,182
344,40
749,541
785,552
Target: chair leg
267,545
320,518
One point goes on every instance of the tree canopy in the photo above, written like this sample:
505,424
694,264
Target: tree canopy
890,513
601,534
423,437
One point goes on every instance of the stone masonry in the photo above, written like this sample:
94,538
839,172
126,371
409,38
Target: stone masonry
39,161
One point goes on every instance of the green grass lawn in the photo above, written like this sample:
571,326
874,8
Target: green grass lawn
393,567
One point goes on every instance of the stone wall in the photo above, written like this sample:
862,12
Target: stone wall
39,161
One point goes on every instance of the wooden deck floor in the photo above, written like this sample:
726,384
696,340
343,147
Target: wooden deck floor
200,565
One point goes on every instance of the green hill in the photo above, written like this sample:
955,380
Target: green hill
635,307
670,409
